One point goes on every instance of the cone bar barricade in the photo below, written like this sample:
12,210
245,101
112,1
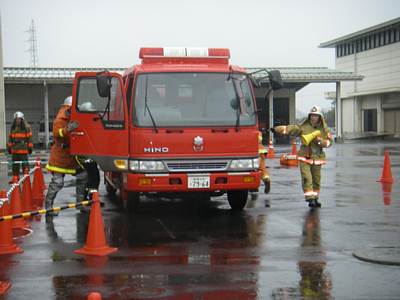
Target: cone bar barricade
44,211
7,245
271,150
386,171
27,203
96,238
16,205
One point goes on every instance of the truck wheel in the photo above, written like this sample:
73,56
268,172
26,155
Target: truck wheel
132,202
237,199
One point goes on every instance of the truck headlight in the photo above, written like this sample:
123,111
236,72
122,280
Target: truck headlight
146,165
256,163
242,164
134,165
150,165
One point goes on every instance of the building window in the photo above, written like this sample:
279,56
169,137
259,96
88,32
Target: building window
381,39
392,33
397,38
370,120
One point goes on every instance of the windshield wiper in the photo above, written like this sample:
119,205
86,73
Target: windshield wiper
148,108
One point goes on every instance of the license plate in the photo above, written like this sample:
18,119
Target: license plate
199,182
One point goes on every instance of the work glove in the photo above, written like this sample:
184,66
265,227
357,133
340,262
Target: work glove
72,125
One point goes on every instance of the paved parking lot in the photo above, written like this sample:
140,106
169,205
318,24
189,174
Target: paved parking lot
277,248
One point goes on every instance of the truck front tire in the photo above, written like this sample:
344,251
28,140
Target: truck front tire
237,199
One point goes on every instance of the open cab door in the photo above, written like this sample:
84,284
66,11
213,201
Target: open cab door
98,104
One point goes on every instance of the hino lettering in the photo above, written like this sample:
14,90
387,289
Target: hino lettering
156,150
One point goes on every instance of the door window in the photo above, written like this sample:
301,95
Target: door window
110,109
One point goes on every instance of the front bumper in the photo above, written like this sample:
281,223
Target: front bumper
178,182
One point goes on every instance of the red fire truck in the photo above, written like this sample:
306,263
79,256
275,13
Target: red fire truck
182,121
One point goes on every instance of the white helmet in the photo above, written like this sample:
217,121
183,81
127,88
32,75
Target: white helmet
87,106
68,101
315,110
18,114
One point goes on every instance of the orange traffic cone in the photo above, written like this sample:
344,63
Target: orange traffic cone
27,204
387,171
4,287
7,245
387,193
96,239
39,174
294,147
271,151
16,206
94,296
37,191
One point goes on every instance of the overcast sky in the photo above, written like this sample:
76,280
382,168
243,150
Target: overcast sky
259,33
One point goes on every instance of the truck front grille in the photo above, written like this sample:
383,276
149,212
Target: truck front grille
197,165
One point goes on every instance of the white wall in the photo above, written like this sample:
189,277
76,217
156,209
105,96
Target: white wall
380,67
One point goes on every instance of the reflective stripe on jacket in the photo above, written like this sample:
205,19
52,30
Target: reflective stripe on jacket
20,141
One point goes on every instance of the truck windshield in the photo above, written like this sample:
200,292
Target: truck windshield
193,99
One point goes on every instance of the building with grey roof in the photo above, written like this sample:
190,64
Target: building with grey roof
38,92
371,106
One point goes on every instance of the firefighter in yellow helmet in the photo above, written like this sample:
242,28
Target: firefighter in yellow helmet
315,136
20,143
262,151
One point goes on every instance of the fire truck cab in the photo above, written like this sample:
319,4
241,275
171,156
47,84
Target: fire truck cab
182,121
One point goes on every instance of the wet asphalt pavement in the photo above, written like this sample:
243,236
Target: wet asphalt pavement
277,248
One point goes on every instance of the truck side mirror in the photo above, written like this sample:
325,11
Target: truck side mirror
275,79
103,82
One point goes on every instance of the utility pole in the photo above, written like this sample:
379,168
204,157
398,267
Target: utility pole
2,99
33,45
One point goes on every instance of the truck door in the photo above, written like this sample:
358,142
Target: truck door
103,120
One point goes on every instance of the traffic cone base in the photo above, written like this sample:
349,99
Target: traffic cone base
7,245
386,171
96,239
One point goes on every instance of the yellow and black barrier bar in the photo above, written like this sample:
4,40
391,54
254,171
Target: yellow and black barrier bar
45,211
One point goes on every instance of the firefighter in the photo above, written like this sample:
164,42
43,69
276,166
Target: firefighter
315,136
20,143
61,162
262,151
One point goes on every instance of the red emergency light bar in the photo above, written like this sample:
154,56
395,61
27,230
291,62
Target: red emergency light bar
149,52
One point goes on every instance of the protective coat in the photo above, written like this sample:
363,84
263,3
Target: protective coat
61,161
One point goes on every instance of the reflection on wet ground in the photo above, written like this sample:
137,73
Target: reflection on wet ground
182,249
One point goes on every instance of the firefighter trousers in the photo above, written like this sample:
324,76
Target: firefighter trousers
310,180
57,183
19,161
263,168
